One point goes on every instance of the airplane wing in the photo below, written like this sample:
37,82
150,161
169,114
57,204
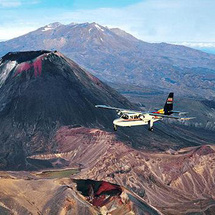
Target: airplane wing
118,109
140,112
171,116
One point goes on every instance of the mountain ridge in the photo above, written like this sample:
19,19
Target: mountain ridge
115,56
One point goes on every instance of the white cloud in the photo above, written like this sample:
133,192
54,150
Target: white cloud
12,3
157,20
16,3
149,20
197,44
14,31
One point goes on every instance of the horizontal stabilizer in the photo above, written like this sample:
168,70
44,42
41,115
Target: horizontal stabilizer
179,112
164,116
187,118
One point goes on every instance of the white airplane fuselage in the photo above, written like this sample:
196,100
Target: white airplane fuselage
134,120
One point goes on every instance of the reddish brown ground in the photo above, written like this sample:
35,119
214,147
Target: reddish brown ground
176,183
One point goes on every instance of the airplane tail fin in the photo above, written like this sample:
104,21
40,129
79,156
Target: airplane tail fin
168,107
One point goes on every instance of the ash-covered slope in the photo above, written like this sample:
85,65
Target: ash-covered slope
46,87
41,91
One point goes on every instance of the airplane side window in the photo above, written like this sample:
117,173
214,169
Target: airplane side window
125,116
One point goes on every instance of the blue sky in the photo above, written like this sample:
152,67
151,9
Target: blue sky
178,21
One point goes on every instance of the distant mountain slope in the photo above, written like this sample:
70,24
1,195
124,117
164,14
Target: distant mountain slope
116,56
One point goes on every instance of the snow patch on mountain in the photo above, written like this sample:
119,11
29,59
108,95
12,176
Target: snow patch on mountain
51,26
47,29
98,27
6,70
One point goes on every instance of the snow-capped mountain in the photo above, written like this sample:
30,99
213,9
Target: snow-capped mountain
116,56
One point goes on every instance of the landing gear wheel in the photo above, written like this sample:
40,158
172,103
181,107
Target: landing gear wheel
114,127
151,129
150,124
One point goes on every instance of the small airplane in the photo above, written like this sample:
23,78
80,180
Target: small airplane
130,118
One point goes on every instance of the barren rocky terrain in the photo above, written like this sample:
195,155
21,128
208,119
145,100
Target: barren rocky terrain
59,154
24,193
174,182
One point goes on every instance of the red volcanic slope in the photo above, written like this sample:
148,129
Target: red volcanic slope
102,196
36,64
105,186
112,198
